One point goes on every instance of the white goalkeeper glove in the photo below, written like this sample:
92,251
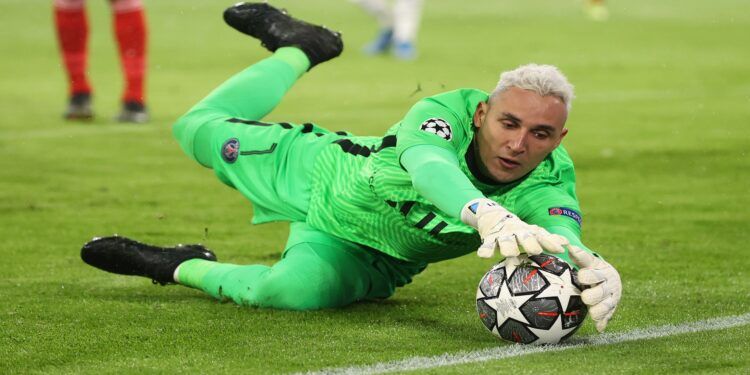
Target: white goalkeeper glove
606,288
499,228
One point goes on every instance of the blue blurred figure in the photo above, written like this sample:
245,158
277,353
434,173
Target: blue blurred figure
399,26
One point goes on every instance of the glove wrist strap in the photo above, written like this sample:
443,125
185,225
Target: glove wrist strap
477,207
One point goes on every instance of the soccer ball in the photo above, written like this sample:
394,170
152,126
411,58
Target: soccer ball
537,301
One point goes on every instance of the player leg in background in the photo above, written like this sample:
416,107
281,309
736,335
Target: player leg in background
597,10
407,15
381,11
72,34
130,32
398,27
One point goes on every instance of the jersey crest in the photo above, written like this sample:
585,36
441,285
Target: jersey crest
230,150
439,127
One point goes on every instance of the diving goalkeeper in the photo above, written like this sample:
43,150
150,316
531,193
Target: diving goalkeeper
463,170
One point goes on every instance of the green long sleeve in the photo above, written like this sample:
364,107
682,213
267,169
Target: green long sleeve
435,175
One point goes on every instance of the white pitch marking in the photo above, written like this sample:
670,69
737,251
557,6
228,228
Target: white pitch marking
420,363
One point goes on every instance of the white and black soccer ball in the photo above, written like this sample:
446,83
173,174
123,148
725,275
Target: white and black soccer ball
439,127
535,302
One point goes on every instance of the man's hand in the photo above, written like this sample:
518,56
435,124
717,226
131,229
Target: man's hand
606,288
501,229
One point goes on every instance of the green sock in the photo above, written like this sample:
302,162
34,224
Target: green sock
294,57
191,272
219,280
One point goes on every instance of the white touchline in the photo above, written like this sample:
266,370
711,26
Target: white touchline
418,363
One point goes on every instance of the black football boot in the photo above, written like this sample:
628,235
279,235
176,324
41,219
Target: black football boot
79,108
127,257
275,29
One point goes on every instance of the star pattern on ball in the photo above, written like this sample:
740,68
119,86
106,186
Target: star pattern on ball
557,290
507,306
556,327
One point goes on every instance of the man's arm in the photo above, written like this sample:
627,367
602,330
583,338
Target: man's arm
436,176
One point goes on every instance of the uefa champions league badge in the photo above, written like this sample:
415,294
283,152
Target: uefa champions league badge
564,211
230,150
439,127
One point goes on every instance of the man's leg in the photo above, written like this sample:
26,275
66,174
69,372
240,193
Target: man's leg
254,92
72,34
407,15
250,95
383,13
317,271
131,34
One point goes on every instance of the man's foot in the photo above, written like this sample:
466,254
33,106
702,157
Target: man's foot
79,108
127,257
381,44
276,29
133,112
405,51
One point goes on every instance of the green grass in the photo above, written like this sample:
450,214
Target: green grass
659,133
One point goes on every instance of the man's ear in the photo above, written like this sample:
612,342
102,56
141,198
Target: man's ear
562,135
480,113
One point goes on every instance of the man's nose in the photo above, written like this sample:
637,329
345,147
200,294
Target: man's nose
518,143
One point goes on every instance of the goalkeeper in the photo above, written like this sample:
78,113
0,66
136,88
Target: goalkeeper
369,213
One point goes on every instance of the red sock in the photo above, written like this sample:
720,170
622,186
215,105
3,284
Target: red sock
130,30
72,34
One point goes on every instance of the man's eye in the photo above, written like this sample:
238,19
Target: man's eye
541,135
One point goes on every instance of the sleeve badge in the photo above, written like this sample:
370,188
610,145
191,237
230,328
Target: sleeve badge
230,150
439,127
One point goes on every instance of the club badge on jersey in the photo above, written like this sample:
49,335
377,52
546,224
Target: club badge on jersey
439,127
230,150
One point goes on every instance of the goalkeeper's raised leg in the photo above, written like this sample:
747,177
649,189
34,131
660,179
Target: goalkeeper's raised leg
251,94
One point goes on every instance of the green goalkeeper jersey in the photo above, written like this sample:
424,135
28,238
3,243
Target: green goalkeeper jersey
361,193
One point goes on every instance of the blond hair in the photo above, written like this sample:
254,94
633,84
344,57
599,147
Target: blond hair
544,80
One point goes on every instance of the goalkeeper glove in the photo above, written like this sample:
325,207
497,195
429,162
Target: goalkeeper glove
499,228
606,288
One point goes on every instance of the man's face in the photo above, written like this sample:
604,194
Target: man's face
516,130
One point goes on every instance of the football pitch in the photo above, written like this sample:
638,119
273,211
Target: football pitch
659,132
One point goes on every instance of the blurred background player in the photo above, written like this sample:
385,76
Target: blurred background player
130,32
597,10
399,25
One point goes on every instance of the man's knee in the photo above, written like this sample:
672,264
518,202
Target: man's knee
193,132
